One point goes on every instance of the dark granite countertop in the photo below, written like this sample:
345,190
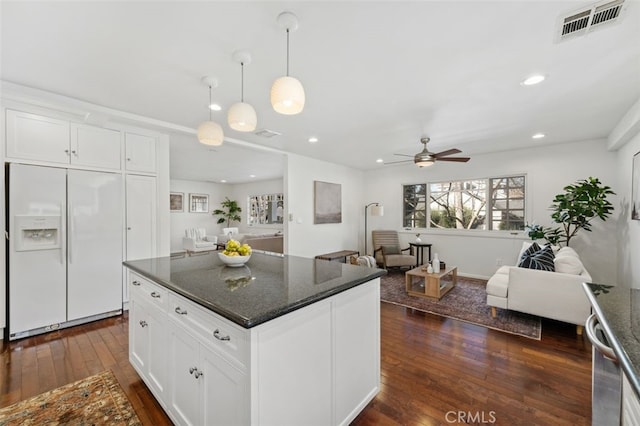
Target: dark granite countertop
266,287
618,311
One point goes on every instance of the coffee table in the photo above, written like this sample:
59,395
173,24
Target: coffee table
433,285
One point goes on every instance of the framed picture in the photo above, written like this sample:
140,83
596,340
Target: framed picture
198,203
328,202
176,200
635,188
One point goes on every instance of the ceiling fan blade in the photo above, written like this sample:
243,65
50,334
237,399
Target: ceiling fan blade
447,152
397,162
456,159
404,155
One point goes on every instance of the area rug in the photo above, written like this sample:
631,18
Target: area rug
467,301
96,400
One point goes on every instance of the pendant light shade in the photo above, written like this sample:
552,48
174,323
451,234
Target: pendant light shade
242,116
287,93
210,132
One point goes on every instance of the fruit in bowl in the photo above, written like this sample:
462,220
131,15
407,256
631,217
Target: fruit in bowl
235,254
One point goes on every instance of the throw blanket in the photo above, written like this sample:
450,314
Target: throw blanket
368,261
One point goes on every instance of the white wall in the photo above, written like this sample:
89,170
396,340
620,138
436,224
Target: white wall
302,236
628,233
183,220
241,193
548,169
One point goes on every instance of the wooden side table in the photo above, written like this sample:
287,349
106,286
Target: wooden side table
433,285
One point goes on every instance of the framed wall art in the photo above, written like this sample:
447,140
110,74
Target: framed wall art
198,203
327,202
635,187
176,201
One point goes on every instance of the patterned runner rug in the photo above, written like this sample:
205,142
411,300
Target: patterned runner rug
96,400
467,301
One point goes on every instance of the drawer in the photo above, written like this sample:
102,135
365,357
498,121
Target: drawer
148,291
215,332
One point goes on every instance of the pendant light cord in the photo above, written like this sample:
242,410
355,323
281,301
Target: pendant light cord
209,106
241,81
287,52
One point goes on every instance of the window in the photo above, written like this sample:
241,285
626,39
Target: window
485,204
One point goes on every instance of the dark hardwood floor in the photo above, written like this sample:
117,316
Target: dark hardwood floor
435,371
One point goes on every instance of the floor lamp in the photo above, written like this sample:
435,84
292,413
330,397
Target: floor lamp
376,210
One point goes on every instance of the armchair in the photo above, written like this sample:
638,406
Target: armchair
387,251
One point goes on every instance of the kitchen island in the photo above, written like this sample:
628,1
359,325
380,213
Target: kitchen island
281,340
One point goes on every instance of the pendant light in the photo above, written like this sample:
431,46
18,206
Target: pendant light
241,115
210,132
287,93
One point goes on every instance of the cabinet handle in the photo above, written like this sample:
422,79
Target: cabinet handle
66,151
143,324
135,282
180,311
128,228
74,152
198,374
192,369
155,295
216,334
128,159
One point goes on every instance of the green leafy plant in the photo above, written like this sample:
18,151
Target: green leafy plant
551,235
581,202
230,212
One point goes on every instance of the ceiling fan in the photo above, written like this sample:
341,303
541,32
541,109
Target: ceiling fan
425,158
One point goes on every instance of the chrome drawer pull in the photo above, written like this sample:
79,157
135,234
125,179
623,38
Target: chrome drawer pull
198,374
180,311
135,282
192,369
143,324
156,295
216,334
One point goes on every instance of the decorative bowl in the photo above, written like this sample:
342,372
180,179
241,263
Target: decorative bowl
233,261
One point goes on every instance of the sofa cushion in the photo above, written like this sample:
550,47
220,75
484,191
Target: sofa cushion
399,260
541,260
527,252
568,264
498,285
386,250
567,251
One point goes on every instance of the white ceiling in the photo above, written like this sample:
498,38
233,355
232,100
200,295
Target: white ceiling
377,75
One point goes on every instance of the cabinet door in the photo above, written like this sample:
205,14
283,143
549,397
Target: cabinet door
184,386
225,396
95,147
34,137
140,153
141,217
138,335
158,340
630,404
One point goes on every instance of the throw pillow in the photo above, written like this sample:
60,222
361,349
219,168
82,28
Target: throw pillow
390,250
541,260
527,252
568,264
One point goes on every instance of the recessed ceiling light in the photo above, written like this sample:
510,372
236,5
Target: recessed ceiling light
534,79
215,107
379,160
223,181
538,136
313,139
252,176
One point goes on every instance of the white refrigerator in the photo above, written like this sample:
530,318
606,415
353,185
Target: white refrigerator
66,247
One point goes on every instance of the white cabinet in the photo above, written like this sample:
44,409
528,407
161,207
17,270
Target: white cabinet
141,216
148,333
630,404
39,138
140,153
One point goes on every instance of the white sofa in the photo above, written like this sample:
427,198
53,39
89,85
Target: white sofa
556,295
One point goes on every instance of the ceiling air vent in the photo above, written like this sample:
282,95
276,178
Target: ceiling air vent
580,22
266,133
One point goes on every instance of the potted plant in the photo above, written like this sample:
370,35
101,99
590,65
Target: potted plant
230,212
581,202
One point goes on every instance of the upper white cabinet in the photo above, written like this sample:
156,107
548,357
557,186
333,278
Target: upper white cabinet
140,153
95,147
39,138
34,137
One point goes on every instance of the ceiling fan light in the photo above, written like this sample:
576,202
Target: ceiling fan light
424,163
287,95
242,117
210,133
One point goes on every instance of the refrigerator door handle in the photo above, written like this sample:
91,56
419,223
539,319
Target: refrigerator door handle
590,328
62,233
71,231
